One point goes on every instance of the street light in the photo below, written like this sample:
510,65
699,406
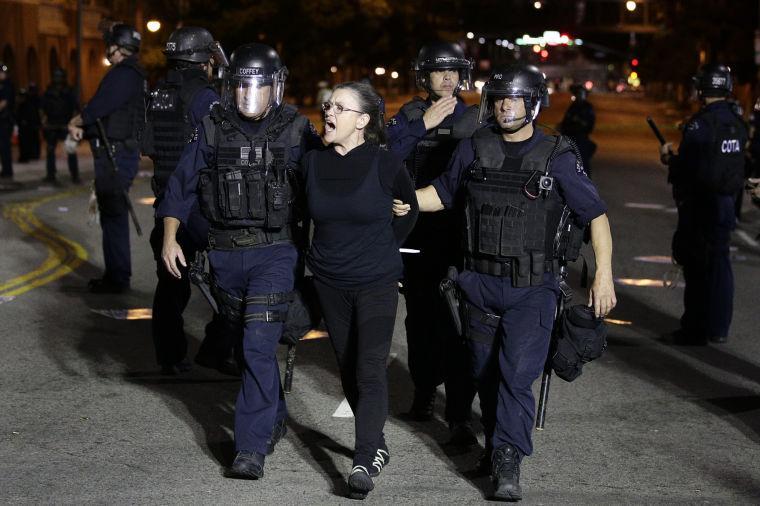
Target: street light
630,5
380,71
394,75
470,35
537,5
153,25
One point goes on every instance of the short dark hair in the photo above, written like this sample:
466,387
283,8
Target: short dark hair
370,102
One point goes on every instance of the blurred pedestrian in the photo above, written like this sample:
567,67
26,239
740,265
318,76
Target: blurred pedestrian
355,259
119,105
59,105
578,123
29,123
706,175
7,121
424,134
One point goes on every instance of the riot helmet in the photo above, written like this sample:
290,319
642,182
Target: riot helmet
713,80
517,80
59,76
440,56
579,92
254,82
124,36
194,45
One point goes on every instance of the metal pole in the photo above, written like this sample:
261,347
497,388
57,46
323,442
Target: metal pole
79,52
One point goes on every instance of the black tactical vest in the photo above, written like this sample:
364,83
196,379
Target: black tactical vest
432,153
510,221
249,185
722,170
168,128
125,124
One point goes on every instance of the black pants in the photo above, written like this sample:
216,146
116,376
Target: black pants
169,302
6,131
360,324
28,143
52,136
436,353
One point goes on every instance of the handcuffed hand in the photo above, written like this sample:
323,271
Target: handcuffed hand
400,209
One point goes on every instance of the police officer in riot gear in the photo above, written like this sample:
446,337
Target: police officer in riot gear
239,171
175,110
520,189
59,105
578,123
119,105
706,174
7,108
424,134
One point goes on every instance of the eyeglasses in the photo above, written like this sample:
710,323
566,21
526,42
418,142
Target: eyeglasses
338,108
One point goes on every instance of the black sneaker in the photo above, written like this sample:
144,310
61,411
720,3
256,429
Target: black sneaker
359,483
382,459
461,434
248,465
278,432
105,285
505,473
422,406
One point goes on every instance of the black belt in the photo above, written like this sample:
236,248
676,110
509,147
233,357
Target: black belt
246,238
500,267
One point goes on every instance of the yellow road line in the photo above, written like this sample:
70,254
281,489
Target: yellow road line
64,255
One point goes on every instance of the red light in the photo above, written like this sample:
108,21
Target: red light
635,62
544,53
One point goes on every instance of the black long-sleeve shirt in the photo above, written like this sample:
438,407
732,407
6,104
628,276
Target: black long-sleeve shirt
356,236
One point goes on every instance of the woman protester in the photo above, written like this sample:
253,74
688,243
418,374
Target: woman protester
354,257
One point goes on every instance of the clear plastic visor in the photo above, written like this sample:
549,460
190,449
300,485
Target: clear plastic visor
488,100
252,96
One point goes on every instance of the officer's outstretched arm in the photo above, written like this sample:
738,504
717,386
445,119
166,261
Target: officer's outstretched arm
602,293
427,200
171,251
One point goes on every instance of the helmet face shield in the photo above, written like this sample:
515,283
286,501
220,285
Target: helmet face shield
253,95
217,53
526,114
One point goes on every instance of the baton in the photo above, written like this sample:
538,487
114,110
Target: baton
656,130
543,396
109,153
290,362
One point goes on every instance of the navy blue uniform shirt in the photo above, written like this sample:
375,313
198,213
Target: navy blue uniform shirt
118,87
574,186
182,189
404,135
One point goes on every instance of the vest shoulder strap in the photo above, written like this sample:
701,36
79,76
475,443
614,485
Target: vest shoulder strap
414,109
209,122
466,124
550,147
488,150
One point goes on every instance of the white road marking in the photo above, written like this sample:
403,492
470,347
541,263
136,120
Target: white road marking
408,250
655,259
748,238
644,205
4,299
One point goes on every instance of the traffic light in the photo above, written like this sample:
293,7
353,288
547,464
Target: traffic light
634,62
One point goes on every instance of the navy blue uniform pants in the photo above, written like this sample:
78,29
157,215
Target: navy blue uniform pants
246,273
709,278
505,369
114,214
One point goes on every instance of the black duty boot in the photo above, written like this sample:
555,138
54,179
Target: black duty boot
278,432
382,458
422,406
249,465
505,473
359,483
461,434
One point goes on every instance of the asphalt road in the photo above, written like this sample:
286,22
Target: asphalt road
86,418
